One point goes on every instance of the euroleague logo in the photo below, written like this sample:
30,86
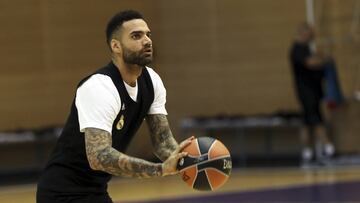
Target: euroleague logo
227,164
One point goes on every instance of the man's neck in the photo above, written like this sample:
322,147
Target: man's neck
129,72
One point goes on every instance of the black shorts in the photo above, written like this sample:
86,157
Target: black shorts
311,106
63,184
52,197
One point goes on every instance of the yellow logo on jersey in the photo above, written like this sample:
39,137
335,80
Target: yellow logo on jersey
120,123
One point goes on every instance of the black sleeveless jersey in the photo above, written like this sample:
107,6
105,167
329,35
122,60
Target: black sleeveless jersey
68,169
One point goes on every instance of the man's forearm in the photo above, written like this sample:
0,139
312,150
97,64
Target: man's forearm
161,136
102,156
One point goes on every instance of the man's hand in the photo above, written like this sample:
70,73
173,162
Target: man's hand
169,167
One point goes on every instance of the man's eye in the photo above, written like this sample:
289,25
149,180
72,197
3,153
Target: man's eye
136,36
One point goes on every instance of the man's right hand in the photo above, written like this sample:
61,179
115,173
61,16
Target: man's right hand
169,167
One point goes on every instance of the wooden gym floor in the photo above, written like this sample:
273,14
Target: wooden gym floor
335,184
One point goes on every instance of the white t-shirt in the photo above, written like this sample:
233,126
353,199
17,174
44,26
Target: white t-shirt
98,102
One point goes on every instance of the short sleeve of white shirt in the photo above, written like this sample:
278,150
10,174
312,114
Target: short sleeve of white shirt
158,106
98,103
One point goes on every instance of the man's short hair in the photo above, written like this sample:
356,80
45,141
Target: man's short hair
117,21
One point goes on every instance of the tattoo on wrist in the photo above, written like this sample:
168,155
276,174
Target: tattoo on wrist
161,135
102,156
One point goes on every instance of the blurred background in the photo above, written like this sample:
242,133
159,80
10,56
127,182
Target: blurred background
220,60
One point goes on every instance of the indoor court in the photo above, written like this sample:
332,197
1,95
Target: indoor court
337,184
230,70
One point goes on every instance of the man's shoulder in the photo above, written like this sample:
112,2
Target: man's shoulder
153,74
150,70
97,79
96,76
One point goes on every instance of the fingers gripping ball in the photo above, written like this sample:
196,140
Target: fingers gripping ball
208,164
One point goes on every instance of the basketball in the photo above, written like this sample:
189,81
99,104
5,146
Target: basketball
207,165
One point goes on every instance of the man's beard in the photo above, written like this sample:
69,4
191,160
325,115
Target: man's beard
138,58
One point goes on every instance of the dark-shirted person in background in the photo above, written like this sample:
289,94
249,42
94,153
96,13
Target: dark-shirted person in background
309,71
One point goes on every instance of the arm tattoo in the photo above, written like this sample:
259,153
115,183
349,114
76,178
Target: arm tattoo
102,156
161,136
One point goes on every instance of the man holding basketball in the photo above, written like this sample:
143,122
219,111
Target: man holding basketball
108,108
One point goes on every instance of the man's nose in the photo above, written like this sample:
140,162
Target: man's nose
147,42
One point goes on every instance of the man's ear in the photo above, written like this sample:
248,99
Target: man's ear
115,46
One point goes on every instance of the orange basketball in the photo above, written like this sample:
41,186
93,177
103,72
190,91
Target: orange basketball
208,164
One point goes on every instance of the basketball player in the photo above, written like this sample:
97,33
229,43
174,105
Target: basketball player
308,70
108,109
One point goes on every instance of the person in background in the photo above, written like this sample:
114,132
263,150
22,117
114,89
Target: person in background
309,70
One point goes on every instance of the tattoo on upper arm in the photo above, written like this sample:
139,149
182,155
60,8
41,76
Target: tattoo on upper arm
161,135
102,156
